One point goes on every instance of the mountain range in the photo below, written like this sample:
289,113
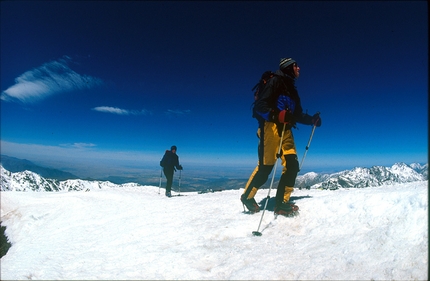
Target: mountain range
358,177
361,177
14,165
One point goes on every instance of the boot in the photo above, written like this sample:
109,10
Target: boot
251,204
287,209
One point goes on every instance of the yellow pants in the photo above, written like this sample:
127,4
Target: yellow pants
268,147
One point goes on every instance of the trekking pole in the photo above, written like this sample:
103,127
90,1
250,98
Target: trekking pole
180,176
257,233
161,174
307,146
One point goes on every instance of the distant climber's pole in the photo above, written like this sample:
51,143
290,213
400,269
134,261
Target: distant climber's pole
161,175
180,176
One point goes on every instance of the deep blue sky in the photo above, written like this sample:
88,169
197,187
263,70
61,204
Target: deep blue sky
93,85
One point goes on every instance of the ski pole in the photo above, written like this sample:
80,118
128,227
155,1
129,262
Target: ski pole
257,233
307,146
161,174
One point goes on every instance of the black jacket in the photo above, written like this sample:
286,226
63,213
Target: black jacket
170,160
270,104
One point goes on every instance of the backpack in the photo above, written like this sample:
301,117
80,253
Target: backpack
163,160
259,87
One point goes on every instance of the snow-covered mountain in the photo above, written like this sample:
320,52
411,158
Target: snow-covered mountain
29,181
358,177
420,169
309,180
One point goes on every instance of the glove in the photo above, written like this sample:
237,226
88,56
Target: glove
180,168
316,120
285,116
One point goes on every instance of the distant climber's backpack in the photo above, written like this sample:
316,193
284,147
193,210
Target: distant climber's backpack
163,162
259,87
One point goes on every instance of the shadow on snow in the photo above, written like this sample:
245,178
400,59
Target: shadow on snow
272,202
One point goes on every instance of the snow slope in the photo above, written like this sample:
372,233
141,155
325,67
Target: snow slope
375,233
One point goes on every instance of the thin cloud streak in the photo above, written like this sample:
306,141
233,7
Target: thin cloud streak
51,78
120,111
178,112
78,145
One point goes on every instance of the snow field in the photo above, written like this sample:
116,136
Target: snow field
376,233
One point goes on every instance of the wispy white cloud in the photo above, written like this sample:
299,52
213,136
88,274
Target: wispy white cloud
78,145
178,112
120,111
51,78
113,110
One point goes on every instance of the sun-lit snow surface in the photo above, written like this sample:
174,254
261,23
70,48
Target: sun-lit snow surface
133,232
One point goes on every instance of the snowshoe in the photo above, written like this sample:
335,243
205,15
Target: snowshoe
250,204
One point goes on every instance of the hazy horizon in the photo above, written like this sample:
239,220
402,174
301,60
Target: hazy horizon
138,168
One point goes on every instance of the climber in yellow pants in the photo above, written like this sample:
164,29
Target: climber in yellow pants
277,107
267,151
